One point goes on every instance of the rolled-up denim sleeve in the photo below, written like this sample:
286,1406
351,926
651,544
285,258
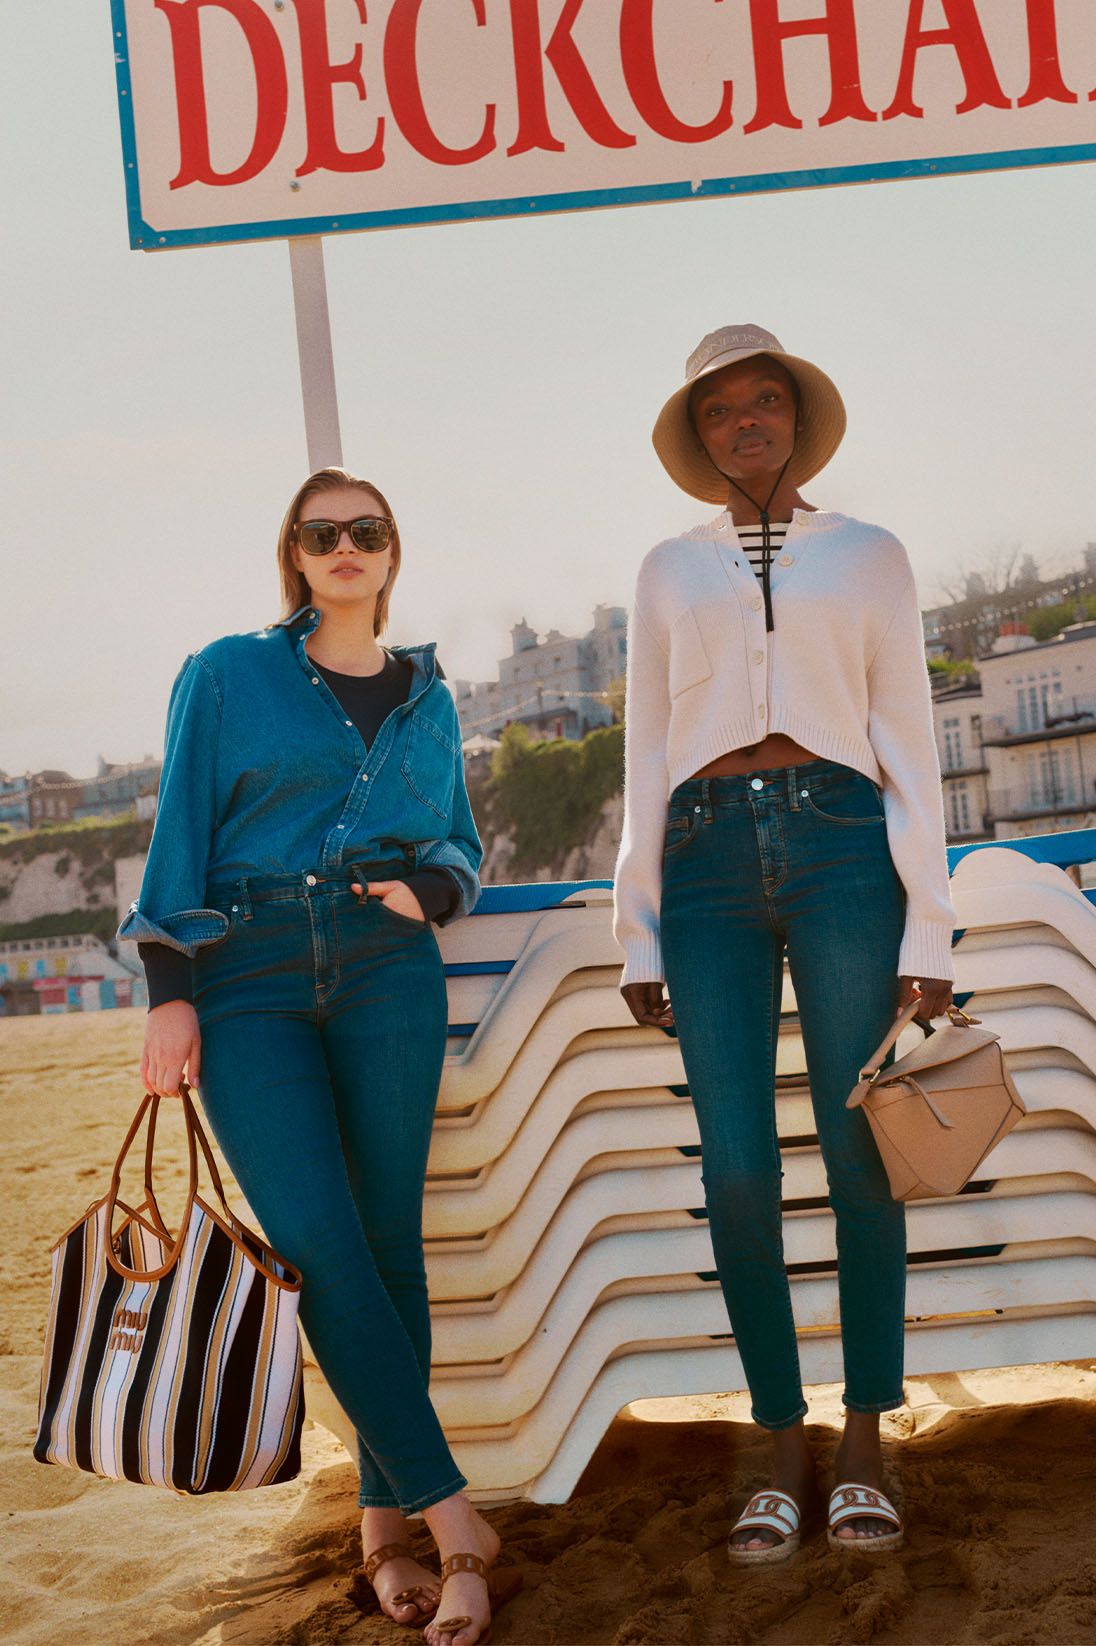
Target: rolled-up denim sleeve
169,908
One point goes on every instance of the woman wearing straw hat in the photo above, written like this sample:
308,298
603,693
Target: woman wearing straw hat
782,794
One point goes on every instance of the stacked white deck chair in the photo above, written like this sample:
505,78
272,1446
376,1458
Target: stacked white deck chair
568,1254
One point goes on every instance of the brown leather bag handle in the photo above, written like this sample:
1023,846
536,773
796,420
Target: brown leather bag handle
203,1144
195,1139
902,1021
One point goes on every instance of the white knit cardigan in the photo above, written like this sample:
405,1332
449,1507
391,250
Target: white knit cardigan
843,674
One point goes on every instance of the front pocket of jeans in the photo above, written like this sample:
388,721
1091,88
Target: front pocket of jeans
852,817
403,919
679,831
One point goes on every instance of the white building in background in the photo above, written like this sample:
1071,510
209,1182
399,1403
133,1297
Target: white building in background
957,717
555,686
1039,733
1018,752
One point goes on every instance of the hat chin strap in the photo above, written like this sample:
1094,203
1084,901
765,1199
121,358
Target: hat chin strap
766,540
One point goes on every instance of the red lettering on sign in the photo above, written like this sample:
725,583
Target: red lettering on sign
574,77
318,76
271,90
1046,84
770,32
637,55
401,73
964,34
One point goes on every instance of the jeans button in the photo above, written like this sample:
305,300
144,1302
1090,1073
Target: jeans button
757,784
310,879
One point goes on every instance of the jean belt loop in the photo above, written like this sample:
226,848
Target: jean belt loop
245,899
793,788
706,798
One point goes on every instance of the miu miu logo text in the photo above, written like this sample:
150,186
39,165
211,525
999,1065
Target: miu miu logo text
129,1328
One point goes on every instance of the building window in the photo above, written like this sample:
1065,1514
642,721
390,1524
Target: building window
1036,700
953,748
1052,780
960,807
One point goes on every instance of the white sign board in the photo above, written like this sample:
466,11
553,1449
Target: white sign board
251,119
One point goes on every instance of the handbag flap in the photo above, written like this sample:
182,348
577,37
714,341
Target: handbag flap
945,1046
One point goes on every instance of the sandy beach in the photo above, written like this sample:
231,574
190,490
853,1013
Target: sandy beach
994,1471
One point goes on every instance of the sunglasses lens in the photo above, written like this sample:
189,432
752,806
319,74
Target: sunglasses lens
370,534
318,536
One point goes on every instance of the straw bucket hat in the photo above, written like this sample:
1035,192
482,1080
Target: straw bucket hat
821,413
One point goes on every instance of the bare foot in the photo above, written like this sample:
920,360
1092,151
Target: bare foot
793,1473
459,1529
859,1461
400,1574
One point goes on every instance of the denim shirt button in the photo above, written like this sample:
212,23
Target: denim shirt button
315,679
365,777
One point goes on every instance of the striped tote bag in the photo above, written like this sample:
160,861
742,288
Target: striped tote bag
173,1360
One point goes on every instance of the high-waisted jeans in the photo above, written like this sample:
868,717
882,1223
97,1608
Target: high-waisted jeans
323,1027
791,858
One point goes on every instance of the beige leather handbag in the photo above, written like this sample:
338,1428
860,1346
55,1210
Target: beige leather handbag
937,1112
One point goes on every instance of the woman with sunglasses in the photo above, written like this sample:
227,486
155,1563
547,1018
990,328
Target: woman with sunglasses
783,796
312,823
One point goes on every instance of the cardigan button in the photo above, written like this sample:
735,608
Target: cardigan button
756,602
759,657
786,560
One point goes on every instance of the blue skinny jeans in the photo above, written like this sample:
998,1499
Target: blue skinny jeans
791,858
323,1027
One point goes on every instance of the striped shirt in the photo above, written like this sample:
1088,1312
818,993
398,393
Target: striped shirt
750,538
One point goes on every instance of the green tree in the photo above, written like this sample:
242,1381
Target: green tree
551,792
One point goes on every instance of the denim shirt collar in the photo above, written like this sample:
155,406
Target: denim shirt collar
307,619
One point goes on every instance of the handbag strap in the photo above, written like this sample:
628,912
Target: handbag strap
195,1138
149,1106
902,1021
194,1125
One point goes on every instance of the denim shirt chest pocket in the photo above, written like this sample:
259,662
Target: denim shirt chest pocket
428,763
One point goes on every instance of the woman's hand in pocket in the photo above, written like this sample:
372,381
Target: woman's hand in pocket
395,895
173,1047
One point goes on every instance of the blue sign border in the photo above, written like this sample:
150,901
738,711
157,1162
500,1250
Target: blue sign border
144,237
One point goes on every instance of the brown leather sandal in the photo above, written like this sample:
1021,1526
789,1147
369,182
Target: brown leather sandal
501,1587
416,1596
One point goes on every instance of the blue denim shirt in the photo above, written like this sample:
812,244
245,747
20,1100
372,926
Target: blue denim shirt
264,774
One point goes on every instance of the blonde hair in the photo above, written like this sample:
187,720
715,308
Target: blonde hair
295,590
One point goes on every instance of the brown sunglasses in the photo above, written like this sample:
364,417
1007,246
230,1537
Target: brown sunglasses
370,533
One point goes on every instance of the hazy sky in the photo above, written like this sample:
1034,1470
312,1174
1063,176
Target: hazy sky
497,380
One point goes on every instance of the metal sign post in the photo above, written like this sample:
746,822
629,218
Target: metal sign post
317,359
